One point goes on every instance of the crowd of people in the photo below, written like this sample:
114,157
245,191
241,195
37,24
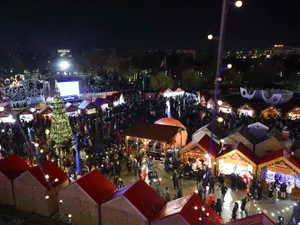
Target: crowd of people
99,144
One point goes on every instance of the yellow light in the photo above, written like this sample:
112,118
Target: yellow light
273,214
70,215
203,209
220,119
47,176
196,207
210,37
56,180
200,218
258,208
1,108
47,197
283,210
207,214
60,201
42,151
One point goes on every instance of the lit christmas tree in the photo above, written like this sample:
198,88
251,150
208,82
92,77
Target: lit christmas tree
61,131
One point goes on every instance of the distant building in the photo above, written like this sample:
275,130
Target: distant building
64,52
286,50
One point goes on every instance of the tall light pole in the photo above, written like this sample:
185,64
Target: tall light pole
219,68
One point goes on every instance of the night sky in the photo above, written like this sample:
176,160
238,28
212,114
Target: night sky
46,25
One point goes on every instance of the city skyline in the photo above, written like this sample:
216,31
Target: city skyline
145,25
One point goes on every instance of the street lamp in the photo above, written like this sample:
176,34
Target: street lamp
64,65
220,102
210,37
238,4
229,66
220,119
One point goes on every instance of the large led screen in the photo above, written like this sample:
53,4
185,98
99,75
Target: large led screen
68,88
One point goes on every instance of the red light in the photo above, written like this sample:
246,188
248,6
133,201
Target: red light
278,46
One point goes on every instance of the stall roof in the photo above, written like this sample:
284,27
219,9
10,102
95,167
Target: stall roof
258,219
52,170
13,166
170,122
243,149
217,130
111,98
24,111
99,101
165,90
46,109
83,105
278,155
143,197
185,207
152,131
242,130
204,142
97,186
71,106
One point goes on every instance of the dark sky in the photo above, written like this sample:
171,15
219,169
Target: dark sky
47,24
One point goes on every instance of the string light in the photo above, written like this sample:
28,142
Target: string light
47,176
207,214
200,218
56,180
70,215
203,209
60,201
47,197
196,207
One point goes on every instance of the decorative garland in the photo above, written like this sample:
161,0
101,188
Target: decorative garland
279,162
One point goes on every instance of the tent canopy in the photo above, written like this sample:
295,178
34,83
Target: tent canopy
156,132
277,157
13,166
190,208
97,186
170,122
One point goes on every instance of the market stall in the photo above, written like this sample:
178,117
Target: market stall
271,112
87,194
217,133
145,133
6,117
294,113
210,104
102,103
33,193
46,111
71,109
181,136
178,92
268,145
237,159
283,167
26,114
224,107
10,168
185,211
87,107
167,93
197,152
135,204
246,110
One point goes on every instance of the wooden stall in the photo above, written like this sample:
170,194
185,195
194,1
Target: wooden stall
46,111
87,194
284,167
10,168
135,204
246,110
271,112
185,211
87,107
237,159
33,193
71,109
199,150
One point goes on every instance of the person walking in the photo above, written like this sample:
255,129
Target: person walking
244,205
234,211
219,206
223,192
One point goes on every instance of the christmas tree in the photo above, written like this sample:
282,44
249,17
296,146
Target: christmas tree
61,131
